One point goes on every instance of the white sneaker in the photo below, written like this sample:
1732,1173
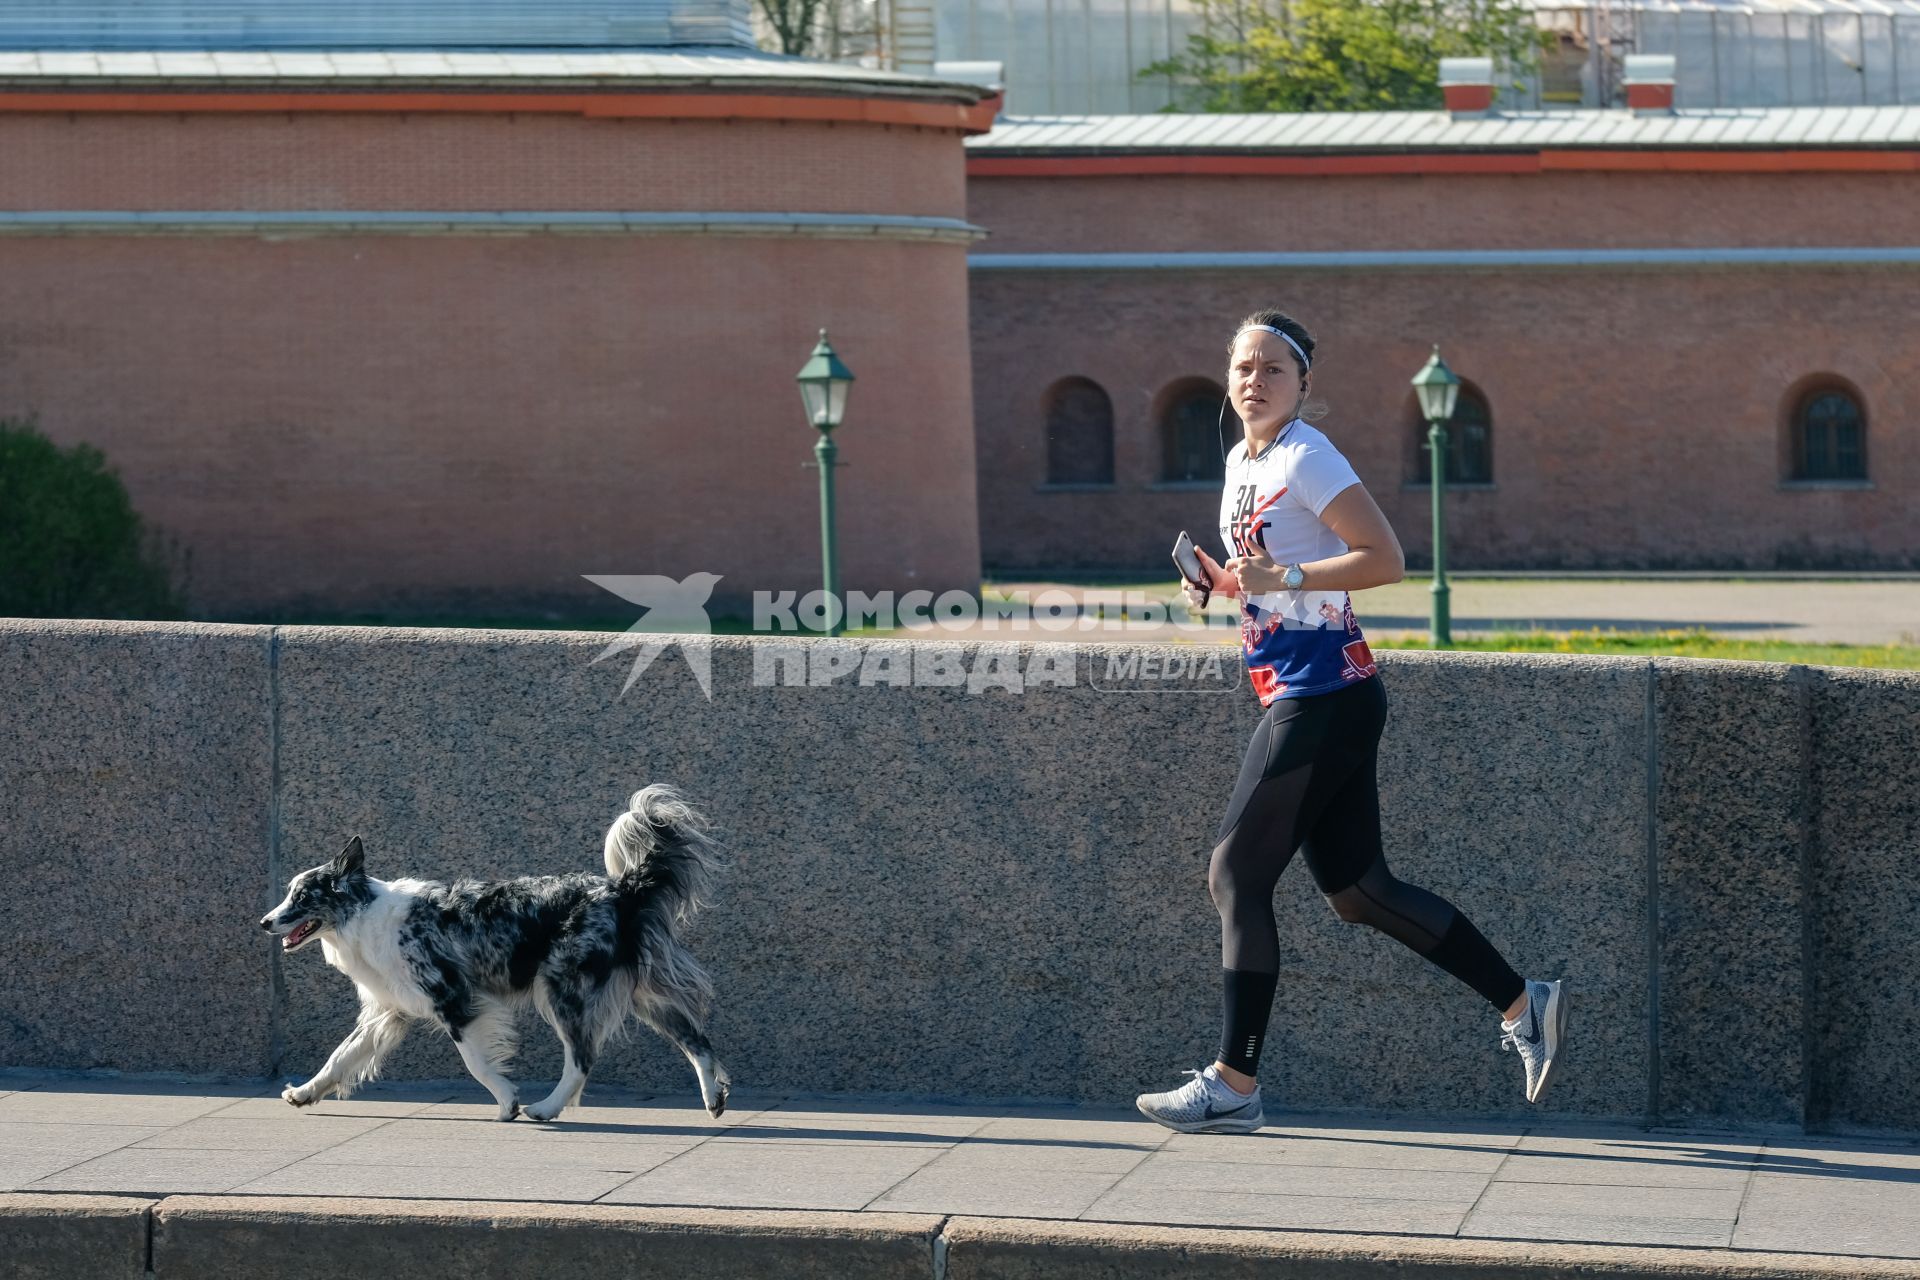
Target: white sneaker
1539,1035
1204,1104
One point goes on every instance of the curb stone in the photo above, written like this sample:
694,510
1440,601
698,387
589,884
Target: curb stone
50,1237
84,1237
1017,1249
303,1238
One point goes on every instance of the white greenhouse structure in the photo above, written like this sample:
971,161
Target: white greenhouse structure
1083,57
1080,57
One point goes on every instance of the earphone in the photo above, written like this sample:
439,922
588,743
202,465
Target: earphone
1220,426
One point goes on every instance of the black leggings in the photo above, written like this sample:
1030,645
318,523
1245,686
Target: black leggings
1308,783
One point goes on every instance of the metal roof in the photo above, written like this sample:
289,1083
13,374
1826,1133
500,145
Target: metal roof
720,67
386,24
1392,131
1769,8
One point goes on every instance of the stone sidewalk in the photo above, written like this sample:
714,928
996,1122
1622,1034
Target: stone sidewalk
1492,1181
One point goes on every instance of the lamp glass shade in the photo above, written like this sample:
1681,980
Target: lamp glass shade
823,386
1437,387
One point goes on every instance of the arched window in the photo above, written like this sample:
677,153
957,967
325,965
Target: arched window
1079,433
1829,436
1190,431
1469,442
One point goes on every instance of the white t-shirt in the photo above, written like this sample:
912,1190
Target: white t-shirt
1297,643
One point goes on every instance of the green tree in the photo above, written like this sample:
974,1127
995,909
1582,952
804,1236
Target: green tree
71,544
791,24
1342,55
833,30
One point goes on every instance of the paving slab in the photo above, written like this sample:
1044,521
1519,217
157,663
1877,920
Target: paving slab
990,1154
1846,1214
1634,1162
118,1102
697,1127
1199,1177
1097,1130
82,1141
1875,1160
524,1133
1132,1202
1558,1185
778,1176
1603,1214
998,1191
903,1122
296,1135
30,1151
165,1172
639,1119
1305,1143
21,1169
497,1181
384,1103
410,1149
906,1130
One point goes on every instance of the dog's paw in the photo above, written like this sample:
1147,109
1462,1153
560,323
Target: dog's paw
508,1110
718,1106
543,1113
299,1095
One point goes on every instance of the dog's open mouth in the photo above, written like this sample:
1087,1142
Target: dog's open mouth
301,932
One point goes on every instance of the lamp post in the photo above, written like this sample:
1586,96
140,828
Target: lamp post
823,390
1438,389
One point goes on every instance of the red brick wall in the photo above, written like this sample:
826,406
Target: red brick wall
1638,416
1554,210
474,162
410,423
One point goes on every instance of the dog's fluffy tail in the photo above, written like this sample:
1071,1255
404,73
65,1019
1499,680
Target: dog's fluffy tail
661,846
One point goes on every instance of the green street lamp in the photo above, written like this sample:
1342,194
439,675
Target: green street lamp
1438,389
823,390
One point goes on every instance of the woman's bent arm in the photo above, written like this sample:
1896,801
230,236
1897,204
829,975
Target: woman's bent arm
1373,557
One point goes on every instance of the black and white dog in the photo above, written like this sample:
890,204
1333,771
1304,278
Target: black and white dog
584,950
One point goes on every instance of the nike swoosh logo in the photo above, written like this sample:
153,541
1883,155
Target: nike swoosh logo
1538,1031
1217,1115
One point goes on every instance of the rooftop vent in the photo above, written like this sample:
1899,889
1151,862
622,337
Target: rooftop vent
1467,86
913,37
1649,82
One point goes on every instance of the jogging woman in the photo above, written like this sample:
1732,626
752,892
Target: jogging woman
1301,531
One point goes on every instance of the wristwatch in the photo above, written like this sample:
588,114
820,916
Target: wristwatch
1295,577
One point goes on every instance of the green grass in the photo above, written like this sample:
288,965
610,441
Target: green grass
1673,644
724,626
1695,643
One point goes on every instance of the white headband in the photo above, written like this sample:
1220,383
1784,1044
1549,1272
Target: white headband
1305,364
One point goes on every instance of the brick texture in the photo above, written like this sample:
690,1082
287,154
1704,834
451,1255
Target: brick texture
1639,417
467,162
1556,210
473,422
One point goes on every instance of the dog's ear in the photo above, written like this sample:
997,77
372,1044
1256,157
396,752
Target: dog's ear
350,859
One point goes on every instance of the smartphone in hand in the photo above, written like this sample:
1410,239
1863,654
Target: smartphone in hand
1187,560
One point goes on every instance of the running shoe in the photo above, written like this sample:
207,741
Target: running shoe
1539,1035
1204,1104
